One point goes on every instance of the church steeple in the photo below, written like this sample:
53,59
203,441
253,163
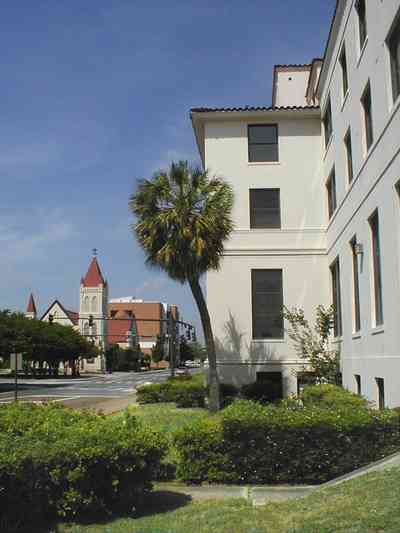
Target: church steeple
31,311
93,277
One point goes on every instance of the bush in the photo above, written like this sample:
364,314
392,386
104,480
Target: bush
250,443
263,392
58,462
331,396
185,391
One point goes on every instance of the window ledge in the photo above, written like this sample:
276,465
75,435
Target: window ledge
378,330
266,341
261,163
362,52
356,336
345,97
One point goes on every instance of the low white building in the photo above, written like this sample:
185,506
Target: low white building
317,212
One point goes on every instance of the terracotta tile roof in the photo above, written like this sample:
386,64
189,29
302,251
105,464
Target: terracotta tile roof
93,277
250,108
31,305
117,330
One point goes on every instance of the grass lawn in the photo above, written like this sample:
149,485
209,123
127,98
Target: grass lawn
165,417
369,504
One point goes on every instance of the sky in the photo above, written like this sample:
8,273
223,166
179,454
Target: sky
96,94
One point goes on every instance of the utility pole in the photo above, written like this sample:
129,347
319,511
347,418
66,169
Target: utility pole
171,343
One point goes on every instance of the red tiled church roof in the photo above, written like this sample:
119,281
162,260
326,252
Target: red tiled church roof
117,330
31,305
72,315
93,277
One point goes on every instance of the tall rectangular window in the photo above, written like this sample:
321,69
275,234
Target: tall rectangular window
349,155
336,298
380,383
362,21
267,304
393,43
356,286
331,191
357,377
265,211
377,269
327,121
343,64
263,143
367,109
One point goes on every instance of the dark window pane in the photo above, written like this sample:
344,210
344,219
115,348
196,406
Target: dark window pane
362,21
356,287
394,49
331,190
343,63
336,298
349,156
327,120
259,153
263,134
265,208
267,304
366,103
263,142
376,264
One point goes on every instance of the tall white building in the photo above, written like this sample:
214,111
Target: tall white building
316,178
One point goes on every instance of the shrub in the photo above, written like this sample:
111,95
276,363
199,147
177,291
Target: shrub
185,391
55,461
263,392
250,443
331,396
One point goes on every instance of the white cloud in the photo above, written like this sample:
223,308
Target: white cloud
151,285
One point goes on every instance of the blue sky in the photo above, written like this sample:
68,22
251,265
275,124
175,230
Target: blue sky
96,94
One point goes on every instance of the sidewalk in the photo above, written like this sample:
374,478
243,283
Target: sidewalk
108,407
261,495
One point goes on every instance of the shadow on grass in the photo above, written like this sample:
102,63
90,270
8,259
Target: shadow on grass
157,502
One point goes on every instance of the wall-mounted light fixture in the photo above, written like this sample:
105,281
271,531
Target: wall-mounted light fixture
358,248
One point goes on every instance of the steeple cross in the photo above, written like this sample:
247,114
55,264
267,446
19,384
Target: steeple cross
94,252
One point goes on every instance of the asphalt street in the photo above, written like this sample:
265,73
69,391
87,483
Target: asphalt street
107,386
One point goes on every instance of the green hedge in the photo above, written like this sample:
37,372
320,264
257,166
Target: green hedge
331,396
58,462
185,391
250,443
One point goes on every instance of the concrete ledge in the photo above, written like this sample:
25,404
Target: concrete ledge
260,495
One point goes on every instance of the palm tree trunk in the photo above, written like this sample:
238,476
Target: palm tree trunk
214,401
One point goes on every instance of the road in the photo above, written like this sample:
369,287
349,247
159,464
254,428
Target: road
108,386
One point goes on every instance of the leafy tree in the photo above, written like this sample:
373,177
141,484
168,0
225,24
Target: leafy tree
312,343
158,352
185,350
183,218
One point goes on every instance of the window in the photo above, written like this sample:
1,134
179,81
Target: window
331,190
86,329
376,267
94,304
393,43
267,304
366,104
113,314
362,21
86,304
336,298
263,143
343,64
265,209
327,121
94,331
380,383
356,286
273,385
349,155
357,377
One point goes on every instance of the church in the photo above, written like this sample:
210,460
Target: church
92,318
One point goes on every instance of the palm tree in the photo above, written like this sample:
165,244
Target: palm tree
183,218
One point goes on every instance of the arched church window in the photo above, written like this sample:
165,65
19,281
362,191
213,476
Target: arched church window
94,304
86,329
94,330
85,305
